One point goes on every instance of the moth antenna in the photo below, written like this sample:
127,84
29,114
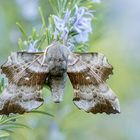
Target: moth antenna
45,52
44,56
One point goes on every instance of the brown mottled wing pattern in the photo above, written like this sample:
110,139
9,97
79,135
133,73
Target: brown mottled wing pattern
26,77
88,73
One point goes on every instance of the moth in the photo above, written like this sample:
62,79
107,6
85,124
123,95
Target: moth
27,74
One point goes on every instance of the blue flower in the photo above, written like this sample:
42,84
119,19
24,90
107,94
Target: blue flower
82,37
82,23
59,23
61,26
79,22
31,46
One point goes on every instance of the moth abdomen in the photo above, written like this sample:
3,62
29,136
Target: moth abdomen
57,85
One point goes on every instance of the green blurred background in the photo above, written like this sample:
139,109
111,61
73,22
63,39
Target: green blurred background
116,34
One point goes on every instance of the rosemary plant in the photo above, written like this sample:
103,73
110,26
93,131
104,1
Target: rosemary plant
70,24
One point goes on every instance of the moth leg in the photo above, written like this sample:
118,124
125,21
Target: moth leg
44,55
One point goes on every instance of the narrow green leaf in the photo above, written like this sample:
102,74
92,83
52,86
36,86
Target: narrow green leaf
34,34
41,41
42,17
53,5
22,30
9,119
48,36
15,125
7,130
65,4
4,134
20,44
42,112
59,7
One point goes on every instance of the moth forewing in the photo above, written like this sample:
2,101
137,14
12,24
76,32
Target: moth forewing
26,78
88,75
